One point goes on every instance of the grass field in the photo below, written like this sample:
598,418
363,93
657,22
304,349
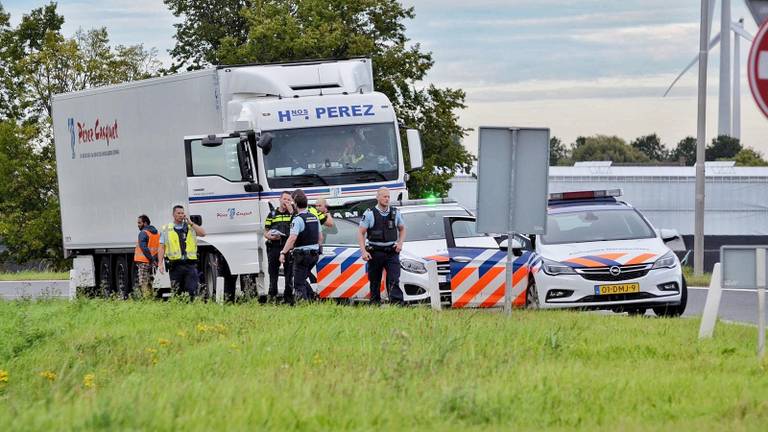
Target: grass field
33,275
699,281
97,365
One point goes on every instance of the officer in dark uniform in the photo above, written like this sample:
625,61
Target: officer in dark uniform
384,230
304,244
276,230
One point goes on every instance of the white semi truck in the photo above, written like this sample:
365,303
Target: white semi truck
222,142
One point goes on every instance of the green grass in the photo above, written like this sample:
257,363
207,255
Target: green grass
693,280
173,366
33,275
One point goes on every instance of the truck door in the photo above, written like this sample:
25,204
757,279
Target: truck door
477,267
218,174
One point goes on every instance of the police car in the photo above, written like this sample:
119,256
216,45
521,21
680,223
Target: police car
598,253
341,271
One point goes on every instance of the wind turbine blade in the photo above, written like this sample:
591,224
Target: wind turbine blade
715,40
739,30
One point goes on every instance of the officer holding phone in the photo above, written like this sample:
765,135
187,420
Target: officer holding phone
276,230
178,244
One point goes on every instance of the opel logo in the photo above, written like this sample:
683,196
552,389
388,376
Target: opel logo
615,271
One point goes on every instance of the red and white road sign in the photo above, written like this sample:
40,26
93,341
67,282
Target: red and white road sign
758,68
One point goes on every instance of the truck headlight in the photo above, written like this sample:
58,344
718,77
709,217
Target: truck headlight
668,260
554,268
413,266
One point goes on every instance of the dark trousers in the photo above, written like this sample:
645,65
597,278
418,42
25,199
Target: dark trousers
184,277
390,261
303,262
273,257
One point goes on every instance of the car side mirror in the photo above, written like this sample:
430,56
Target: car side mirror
517,246
212,141
668,234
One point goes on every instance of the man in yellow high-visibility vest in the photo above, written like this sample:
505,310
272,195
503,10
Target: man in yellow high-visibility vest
178,244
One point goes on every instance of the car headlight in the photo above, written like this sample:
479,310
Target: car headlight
554,268
668,260
413,266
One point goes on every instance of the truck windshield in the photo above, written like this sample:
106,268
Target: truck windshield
332,155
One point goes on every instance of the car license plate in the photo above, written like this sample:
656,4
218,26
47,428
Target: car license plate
617,289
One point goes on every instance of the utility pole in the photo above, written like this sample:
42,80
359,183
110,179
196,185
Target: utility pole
698,239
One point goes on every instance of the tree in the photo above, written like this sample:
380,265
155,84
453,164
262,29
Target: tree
286,30
723,147
651,146
205,23
36,62
685,151
750,157
606,148
557,151
29,206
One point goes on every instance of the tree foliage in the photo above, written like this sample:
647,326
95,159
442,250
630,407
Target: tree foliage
723,147
606,148
29,206
750,157
36,62
558,152
685,151
651,146
287,30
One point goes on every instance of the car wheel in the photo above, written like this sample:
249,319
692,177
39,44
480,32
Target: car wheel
531,295
671,311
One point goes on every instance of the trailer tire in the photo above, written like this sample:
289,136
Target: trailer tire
105,282
123,278
210,276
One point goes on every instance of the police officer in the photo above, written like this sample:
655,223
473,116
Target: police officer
304,244
383,228
276,230
178,243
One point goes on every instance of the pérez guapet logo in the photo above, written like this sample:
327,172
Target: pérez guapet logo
98,132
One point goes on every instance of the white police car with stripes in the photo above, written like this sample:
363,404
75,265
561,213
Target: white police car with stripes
601,253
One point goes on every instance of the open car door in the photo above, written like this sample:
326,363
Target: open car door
477,267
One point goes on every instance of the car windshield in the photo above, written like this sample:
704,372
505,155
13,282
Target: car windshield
332,155
428,225
596,225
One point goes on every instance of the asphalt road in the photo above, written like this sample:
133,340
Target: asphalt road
735,305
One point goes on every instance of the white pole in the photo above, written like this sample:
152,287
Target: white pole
701,132
711,305
736,132
724,96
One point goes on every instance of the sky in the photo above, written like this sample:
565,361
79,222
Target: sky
579,67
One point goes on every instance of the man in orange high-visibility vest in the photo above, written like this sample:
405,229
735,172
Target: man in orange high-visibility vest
145,255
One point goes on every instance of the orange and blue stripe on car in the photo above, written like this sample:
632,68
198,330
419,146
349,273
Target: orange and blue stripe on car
481,282
342,274
609,259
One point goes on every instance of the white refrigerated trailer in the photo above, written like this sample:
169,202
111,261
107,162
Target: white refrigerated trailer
222,142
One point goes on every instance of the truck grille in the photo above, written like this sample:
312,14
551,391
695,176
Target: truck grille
603,274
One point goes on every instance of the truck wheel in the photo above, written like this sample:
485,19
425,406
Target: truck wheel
672,311
106,286
123,279
211,274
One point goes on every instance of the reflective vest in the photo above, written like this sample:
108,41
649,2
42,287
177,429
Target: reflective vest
153,244
173,245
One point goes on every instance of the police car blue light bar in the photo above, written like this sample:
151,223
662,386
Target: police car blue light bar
582,195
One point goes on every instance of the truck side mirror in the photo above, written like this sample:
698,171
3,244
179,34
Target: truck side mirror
244,160
414,149
265,143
